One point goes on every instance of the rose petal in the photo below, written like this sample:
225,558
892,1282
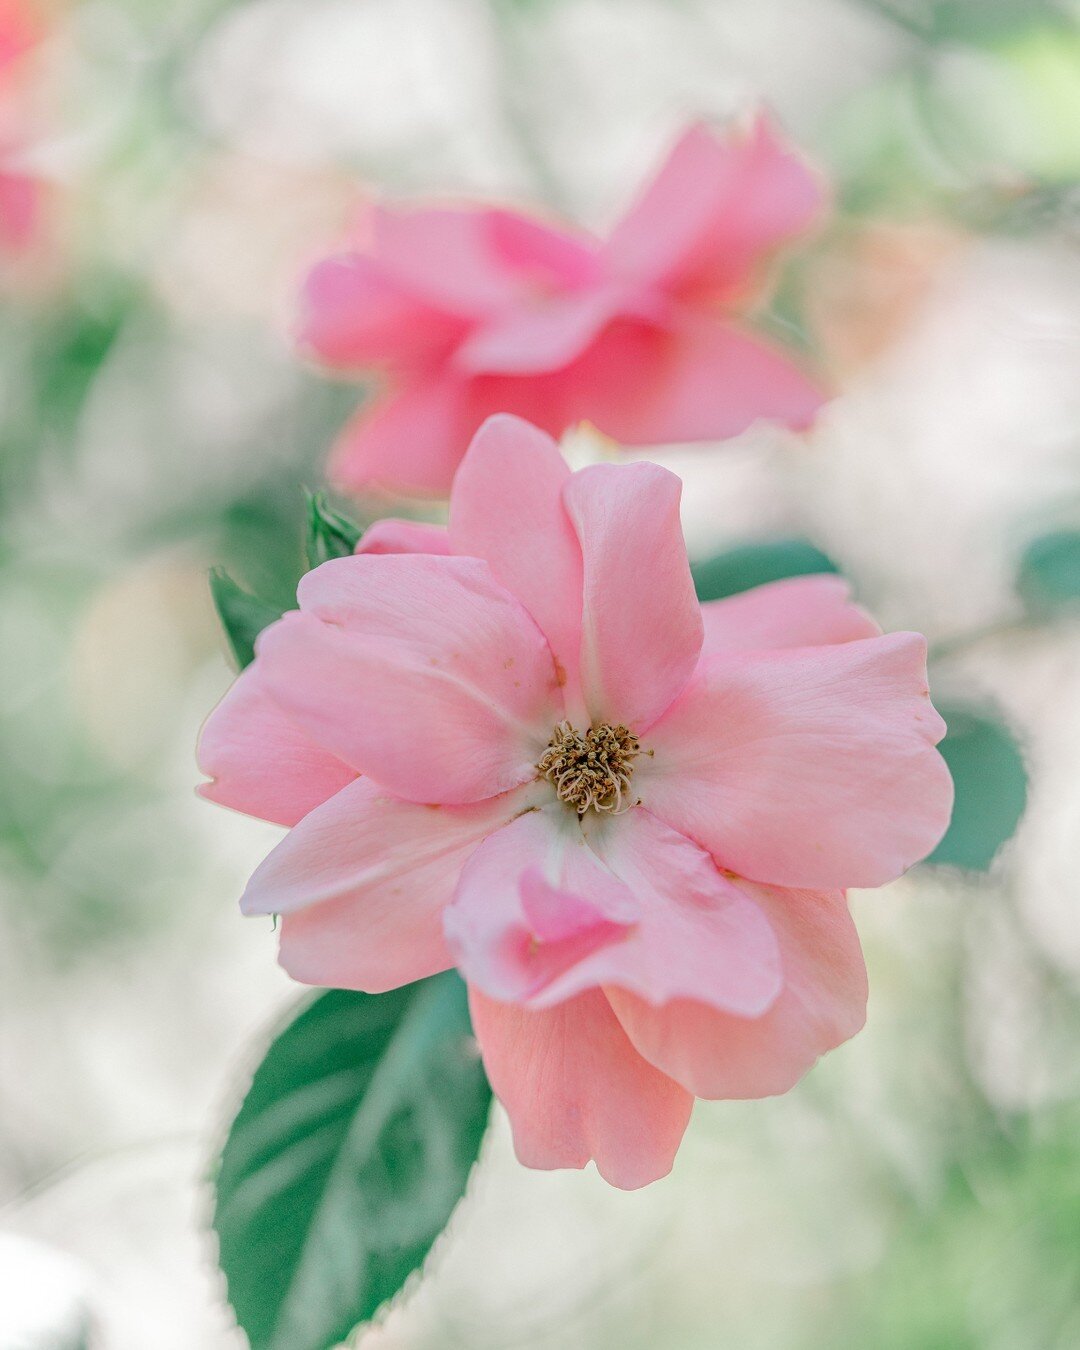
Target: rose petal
352,314
641,624
822,1004
700,379
507,508
811,611
362,881
419,671
807,767
391,535
650,913
260,762
542,336
407,442
412,441
575,1089
532,904
718,204
544,256
446,256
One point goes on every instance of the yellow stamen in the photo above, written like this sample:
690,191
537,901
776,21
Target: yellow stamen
591,769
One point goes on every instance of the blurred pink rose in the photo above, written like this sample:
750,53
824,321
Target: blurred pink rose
521,747
21,193
473,311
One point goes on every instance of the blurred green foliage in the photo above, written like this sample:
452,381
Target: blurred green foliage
1049,575
976,120
967,20
747,565
991,789
993,1263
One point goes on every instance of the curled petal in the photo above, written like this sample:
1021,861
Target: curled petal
541,914
532,905
716,1054
475,263
545,257
362,882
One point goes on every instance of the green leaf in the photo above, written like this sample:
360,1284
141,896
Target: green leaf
329,534
977,22
749,565
352,1147
1049,576
243,616
991,789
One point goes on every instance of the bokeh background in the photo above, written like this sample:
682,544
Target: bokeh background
166,172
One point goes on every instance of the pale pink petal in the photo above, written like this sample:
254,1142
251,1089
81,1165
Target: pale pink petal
352,314
362,881
419,671
810,611
719,203
22,26
260,762
553,915
813,766
542,400
391,535
506,507
699,379
532,904
575,1089
407,442
21,206
641,624
474,262
822,1004
545,256
539,916
544,335
447,256
412,441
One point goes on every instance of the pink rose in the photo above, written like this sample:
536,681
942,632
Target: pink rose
474,311
520,746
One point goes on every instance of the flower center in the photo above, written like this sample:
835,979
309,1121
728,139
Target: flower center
591,769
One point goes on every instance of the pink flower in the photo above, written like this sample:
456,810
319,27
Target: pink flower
475,311
520,746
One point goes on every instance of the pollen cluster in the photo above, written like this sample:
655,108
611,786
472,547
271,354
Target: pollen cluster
591,768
